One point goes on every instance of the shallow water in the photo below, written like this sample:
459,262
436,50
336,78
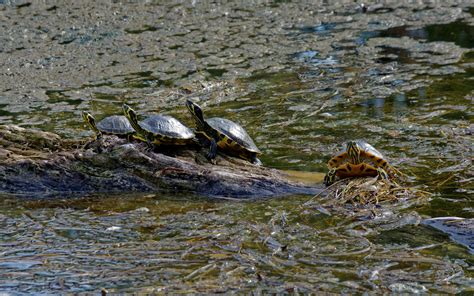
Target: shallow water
302,79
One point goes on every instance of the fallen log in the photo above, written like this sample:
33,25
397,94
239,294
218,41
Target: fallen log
41,164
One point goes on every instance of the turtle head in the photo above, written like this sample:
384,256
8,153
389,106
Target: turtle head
195,110
132,117
129,113
353,150
90,121
88,118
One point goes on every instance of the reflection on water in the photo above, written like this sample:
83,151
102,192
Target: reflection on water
302,81
394,54
322,29
459,32
314,60
395,105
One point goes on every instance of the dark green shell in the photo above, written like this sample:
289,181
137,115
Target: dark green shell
117,125
168,126
233,131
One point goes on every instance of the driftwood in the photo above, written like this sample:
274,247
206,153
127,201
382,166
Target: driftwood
37,164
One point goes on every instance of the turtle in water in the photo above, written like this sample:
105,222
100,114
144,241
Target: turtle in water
113,125
229,136
159,129
359,160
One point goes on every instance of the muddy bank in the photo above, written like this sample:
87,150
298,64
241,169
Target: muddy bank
42,164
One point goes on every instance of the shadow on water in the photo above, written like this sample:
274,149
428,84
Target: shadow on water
146,28
322,29
459,32
394,54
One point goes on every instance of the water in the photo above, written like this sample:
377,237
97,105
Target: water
302,81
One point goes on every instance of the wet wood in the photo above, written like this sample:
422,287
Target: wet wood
37,164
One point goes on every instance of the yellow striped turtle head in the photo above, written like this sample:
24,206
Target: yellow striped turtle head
90,121
129,113
353,150
88,118
196,111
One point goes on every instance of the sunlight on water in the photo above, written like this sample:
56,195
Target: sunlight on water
302,80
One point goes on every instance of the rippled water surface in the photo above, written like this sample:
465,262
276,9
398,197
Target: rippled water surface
303,79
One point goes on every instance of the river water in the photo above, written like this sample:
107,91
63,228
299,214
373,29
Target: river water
303,78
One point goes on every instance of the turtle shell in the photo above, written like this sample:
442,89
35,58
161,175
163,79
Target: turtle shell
166,126
116,124
233,131
368,155
369,149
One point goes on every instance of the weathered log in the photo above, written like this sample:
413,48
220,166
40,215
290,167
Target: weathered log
37,164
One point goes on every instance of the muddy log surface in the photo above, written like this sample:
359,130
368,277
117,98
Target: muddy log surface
42,163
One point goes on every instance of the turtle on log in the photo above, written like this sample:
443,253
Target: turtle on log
39,164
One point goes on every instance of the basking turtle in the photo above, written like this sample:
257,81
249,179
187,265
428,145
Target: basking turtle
359,160
229,136
159,129
113,125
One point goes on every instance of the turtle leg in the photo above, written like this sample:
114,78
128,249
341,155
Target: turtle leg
382,173
212,150
149,142
98,135
339,159
255,160
131,137
202,140
330,177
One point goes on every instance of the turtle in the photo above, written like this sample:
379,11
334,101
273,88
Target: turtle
113,125
224,134
159,129
359,160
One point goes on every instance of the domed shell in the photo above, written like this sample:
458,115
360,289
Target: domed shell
369,149
167,126
234,131
116,124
